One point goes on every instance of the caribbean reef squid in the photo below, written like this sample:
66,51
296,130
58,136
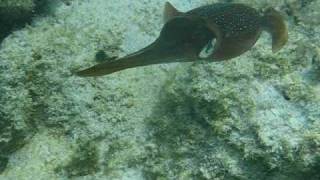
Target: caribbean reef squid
213,32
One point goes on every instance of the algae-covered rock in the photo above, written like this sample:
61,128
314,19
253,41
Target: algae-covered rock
16,14
23,5
84,162
257,126
39,91
13,14
253,117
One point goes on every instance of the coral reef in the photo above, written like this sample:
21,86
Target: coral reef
253,117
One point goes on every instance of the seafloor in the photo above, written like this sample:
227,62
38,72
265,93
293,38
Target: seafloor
255,117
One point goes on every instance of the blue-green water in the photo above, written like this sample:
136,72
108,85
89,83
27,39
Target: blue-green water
255,116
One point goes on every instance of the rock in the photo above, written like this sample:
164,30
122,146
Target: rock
14,14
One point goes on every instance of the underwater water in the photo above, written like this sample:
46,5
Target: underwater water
255,116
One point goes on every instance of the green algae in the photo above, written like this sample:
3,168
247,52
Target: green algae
84,162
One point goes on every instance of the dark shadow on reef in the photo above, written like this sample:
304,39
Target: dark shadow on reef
14,17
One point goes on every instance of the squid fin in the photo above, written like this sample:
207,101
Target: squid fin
274,24
170,12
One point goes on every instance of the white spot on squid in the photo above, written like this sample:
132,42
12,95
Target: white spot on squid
208,49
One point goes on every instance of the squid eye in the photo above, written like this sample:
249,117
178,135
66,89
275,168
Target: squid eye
208,49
